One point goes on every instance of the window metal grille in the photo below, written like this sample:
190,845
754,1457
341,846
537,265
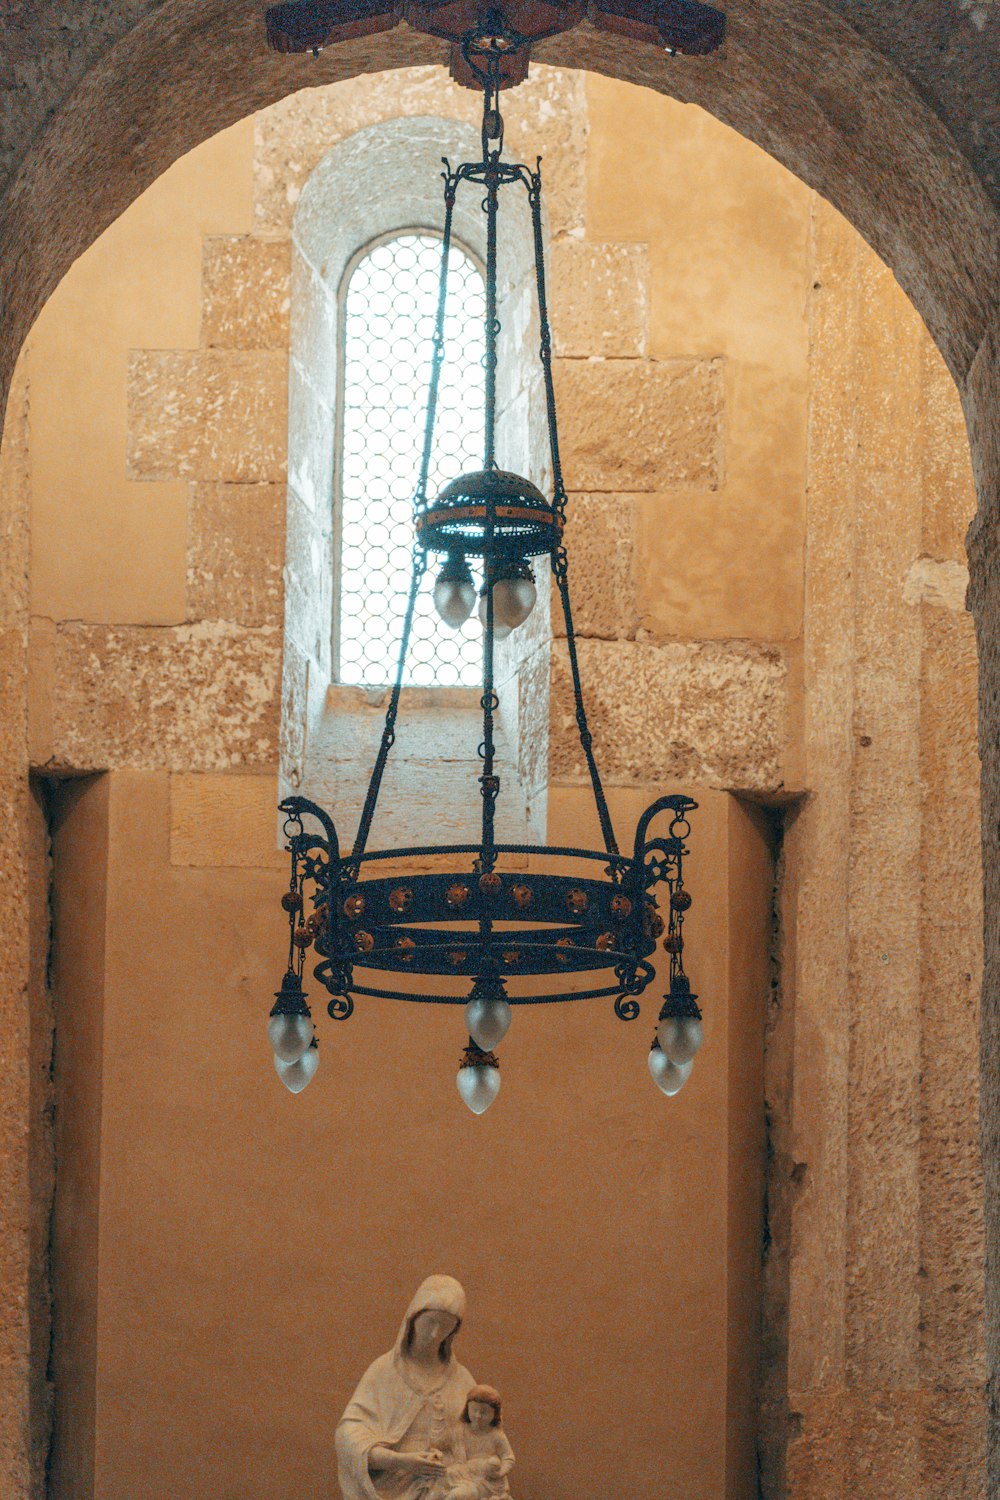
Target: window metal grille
388,310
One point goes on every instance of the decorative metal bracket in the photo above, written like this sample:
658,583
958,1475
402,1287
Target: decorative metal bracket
686,26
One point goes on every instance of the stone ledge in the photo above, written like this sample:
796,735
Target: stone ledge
713,713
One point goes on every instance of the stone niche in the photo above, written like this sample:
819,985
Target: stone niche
771,1284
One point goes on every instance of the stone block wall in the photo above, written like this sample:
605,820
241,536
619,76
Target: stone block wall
876,1271
768,491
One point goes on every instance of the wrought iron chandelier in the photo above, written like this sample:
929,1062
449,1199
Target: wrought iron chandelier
487,936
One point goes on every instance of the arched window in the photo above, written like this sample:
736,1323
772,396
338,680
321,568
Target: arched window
387,304
364,289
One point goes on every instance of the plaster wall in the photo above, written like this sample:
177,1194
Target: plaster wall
704,638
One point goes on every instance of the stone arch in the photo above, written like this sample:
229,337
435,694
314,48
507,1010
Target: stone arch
901,169
140,93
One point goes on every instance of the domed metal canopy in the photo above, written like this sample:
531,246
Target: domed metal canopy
490,511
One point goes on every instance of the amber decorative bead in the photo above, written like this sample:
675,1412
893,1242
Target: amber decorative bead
401,899
302,937
457,957
364,942
523,896
314,922
407,945
564,943
655,921
457,895
680,900
354,907
673,943
576,900
291,901
621,907
490,883
605,941
512,955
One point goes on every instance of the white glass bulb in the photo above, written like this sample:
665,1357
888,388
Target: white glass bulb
478,1086
296,1075
289,1036
454,600
487,1019
513,600
666,1074
680,1037
500,630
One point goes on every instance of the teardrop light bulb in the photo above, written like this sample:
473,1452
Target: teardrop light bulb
487,1019
289,1035
680,1038
455,593
513,600
296,1075
500,630
667,1076
478,1086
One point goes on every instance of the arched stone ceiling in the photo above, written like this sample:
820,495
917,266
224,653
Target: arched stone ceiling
889,111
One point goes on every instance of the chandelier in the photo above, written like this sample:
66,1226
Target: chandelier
490,925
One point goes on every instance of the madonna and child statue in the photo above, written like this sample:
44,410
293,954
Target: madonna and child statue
418,1427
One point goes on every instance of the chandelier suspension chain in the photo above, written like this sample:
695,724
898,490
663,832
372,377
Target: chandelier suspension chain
389,731
560,569
437,354
420,503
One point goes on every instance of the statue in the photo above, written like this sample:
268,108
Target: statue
487,1457
418,1427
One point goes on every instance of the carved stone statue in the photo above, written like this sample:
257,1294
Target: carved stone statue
417,1427
486,1456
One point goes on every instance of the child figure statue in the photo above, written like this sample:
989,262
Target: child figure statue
486,1457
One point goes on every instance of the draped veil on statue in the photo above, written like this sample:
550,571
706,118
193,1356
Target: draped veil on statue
389,1404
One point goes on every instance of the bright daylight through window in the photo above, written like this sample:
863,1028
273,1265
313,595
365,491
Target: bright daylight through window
388,321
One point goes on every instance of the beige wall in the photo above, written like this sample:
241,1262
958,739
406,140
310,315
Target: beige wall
725,640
